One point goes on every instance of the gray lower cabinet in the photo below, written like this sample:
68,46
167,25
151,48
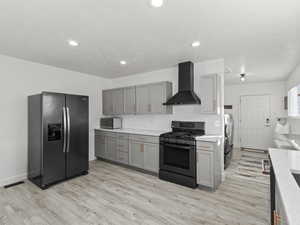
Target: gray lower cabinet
139,151
205,164
137,154
151,157
111,148
100,146
209,164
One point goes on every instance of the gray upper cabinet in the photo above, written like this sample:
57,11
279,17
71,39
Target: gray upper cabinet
205,168
118,101
100,150
209,93
159,93
129,100
142,99
107,102
209,164
279,214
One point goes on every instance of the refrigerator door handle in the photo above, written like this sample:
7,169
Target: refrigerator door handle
68,125
65,129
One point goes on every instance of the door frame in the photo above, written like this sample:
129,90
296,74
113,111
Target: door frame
240,113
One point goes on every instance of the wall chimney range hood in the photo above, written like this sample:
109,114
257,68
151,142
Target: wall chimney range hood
186,94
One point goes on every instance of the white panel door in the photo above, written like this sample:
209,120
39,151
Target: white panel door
255,124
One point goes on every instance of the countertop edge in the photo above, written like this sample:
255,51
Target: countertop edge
286,185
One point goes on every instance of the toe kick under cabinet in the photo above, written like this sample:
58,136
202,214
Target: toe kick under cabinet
209,165
138,151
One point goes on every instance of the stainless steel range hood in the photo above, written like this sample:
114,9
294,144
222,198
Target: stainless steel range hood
186,94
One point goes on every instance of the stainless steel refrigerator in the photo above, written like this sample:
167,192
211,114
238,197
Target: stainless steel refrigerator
58,137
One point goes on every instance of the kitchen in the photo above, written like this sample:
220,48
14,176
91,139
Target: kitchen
143,112
208,114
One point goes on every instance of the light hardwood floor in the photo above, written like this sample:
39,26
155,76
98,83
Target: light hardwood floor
111,194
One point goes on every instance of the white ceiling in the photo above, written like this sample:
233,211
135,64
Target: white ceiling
263,35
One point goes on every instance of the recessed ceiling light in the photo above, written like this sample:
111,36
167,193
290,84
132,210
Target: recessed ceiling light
73,43
196,44
157,3
123,62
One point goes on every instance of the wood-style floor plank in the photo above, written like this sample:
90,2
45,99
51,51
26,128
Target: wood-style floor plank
113,195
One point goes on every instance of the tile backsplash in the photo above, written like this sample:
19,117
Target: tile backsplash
163,122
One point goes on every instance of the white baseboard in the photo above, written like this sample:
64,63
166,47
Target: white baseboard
14,179
20,177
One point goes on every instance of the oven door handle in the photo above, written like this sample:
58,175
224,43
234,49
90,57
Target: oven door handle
178,146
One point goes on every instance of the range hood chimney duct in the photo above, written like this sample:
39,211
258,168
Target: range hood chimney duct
186,94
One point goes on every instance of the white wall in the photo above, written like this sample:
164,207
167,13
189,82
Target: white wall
163,122
294,78
18,79
292,81
233,93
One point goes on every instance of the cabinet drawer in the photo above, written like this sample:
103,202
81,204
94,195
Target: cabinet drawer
123,145
205,146
123,136
123,157
144,138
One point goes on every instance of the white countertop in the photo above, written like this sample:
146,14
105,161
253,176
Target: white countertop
136,131
284,163
209,138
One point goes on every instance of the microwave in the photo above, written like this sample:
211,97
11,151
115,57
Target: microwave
111,123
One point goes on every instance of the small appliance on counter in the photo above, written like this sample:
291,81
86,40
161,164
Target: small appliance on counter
111,123
177,153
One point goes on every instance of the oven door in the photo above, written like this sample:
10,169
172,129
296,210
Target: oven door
178,158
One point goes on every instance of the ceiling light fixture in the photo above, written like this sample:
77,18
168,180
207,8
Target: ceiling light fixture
73,43
123,62
243,77
196,44
157,3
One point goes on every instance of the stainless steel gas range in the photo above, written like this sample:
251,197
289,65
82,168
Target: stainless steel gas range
177,157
